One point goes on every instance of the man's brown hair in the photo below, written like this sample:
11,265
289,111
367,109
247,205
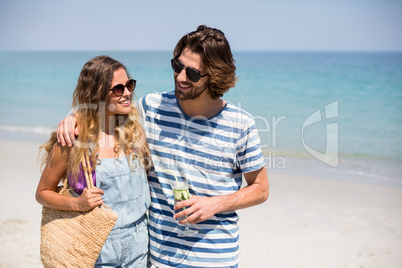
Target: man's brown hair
213,47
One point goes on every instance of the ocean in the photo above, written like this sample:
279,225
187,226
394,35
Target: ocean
336,113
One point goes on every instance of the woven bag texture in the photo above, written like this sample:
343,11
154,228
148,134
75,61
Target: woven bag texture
74,238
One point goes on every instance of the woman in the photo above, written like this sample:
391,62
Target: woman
110,127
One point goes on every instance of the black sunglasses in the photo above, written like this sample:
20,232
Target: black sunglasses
118,90
192,74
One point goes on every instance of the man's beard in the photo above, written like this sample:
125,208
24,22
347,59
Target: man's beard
192,94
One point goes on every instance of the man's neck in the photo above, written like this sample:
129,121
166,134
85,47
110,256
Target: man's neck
202,107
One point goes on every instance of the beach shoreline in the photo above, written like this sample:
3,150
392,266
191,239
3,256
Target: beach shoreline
308,221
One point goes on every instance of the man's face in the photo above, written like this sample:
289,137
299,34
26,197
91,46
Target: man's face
184,88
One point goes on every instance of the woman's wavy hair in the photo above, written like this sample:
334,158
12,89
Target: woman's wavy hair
213,47
89,104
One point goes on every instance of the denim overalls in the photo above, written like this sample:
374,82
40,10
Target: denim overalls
127,193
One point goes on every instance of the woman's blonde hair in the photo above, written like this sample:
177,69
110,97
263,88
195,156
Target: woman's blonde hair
89,107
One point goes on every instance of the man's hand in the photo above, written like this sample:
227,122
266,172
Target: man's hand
201,209
67,130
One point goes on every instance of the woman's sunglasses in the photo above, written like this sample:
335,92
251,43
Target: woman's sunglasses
192,74
118,90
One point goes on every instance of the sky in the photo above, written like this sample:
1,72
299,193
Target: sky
249,25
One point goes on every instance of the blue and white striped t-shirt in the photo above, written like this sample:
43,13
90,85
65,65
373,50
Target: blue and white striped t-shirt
211,154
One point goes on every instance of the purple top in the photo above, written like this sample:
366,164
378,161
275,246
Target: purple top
79,185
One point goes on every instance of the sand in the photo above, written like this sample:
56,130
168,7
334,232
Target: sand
317,222
21,214
306,222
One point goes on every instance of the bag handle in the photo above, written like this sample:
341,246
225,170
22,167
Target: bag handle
86,165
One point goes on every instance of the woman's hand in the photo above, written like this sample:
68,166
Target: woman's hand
89,199
67,130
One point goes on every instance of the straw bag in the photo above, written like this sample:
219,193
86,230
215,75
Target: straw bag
74,238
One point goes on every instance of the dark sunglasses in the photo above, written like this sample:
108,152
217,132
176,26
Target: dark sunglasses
192,74
118,90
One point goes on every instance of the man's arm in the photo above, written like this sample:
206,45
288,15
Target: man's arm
202,208
67,130
68,127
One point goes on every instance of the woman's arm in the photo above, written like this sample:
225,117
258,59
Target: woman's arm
54,170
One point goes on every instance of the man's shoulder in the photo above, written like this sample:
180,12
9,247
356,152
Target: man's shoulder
237,113
157,97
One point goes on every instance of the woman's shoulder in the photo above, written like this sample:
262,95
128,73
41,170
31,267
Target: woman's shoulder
54,151
62,153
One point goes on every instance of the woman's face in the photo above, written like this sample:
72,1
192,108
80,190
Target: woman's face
119,104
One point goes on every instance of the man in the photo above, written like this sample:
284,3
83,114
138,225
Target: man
196,136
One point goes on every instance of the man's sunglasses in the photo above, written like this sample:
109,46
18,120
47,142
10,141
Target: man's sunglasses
118,90
192,74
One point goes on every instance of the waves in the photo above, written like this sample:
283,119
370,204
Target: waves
357,168
31,130
25,133
281,90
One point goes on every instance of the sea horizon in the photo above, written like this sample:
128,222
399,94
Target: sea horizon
334,111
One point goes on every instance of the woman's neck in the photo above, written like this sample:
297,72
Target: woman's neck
106,140
107,144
